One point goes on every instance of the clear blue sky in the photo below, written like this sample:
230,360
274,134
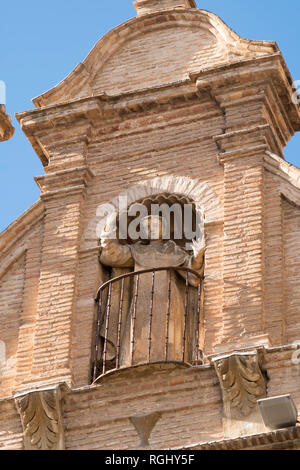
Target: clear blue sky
42,41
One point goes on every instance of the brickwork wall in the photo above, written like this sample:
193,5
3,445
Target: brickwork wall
243,248
11,432
138,150
11,300
189,400
273,260
135,65
291,237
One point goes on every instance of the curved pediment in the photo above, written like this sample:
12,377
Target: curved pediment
153,50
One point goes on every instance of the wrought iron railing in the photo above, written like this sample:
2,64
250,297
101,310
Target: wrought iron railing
127,285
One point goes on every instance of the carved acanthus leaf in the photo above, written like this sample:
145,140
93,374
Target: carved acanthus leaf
40,413
242,383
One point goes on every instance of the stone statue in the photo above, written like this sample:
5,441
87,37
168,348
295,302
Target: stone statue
165,312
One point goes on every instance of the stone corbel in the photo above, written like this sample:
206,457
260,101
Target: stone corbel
41,416
242,382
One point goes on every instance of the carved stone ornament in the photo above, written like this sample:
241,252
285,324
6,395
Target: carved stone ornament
144,425
41,416
242,382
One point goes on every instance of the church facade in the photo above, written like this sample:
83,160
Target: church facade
115,341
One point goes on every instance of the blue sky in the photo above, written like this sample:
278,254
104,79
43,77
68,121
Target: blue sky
41,42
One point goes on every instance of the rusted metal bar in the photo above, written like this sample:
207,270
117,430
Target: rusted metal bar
186,307
168,315
198,320
136,273
133,319
151,317
106,328
201,320
104,315
120,323
97,336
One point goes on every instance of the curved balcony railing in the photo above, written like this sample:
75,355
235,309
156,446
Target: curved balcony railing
166,310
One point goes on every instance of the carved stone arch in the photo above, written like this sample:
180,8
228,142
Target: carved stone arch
201,193
206,201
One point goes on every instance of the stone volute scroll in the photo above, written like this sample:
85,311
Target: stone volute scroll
242,382
41,416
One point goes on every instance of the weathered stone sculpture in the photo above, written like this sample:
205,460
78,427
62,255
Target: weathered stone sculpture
162,297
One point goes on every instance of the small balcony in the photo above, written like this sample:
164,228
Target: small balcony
152,316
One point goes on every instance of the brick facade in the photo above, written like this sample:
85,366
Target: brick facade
173,100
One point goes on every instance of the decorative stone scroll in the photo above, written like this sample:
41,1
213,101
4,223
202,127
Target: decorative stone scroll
242,382
41,416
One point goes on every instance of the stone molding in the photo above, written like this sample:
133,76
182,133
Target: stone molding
206,200
62,182
41,416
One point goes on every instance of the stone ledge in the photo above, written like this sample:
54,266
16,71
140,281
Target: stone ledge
251,441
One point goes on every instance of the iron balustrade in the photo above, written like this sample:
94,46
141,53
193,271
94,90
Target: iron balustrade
104,304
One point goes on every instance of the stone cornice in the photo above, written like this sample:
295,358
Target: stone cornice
87,112
106,107
58,183
270,69
141,100
6,128
244,142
